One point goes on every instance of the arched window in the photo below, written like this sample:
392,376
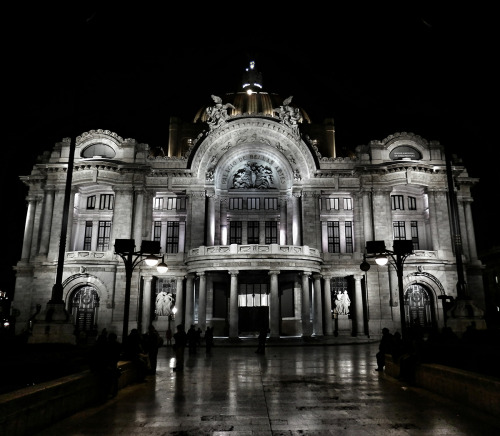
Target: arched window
99,150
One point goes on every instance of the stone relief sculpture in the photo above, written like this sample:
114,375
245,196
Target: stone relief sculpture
165,301
342,303
217,114
253,175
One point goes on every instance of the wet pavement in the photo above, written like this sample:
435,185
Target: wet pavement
302,390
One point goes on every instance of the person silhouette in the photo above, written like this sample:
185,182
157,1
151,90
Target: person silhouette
261,347
180,340
385,347
209,340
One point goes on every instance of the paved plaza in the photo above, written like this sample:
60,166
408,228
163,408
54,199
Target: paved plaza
303,390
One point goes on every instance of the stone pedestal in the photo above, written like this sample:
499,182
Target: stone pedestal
55,327
343,325
463,314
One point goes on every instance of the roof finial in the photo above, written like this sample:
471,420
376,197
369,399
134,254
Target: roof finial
252,79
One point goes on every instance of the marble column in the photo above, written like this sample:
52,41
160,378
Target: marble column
202,302
358,304
188,316
146,304
179,301
139,210
275,308
47,221
317,309
233,306
211,220
327,306
471,237
306,305
28,230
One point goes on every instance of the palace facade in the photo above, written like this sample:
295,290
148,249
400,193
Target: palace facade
261,220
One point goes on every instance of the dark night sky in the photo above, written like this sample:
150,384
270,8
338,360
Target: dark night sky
376,71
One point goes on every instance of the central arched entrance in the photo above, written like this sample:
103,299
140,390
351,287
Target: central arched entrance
84,306
419,307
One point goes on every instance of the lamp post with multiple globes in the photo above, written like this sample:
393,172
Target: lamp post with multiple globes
401,250
125,248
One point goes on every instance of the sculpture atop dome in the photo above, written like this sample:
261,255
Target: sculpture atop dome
289,115
217,114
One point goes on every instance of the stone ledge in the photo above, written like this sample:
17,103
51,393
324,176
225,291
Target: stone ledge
28,410
466,387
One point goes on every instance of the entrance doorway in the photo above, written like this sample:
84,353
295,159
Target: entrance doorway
252,319
419,307
253,308
84,307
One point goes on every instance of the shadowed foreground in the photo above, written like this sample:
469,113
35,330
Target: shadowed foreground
317,390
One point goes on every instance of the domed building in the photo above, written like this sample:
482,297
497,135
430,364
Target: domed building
257,222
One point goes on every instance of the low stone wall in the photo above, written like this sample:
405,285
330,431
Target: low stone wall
465,387
28,410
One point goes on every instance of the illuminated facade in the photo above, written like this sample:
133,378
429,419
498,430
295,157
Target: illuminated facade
261,220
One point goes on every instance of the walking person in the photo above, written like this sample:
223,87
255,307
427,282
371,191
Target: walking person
385,347
168,335
209,340
180,339
261,348
191,340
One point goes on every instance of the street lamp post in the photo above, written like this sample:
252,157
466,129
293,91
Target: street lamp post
125,248
401,250
171,316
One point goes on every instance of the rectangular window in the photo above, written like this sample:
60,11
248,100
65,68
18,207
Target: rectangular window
270,203
331,203
158,203
106,201
253,203
253,295
347,203
103,234
235,232
348,237
172,237
252,232
414,234
333,231
271,232
157,231
412,203
181,203
399,230
87,238
236,203
91,202
397,202
176,203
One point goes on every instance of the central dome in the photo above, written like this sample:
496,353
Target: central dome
251,100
